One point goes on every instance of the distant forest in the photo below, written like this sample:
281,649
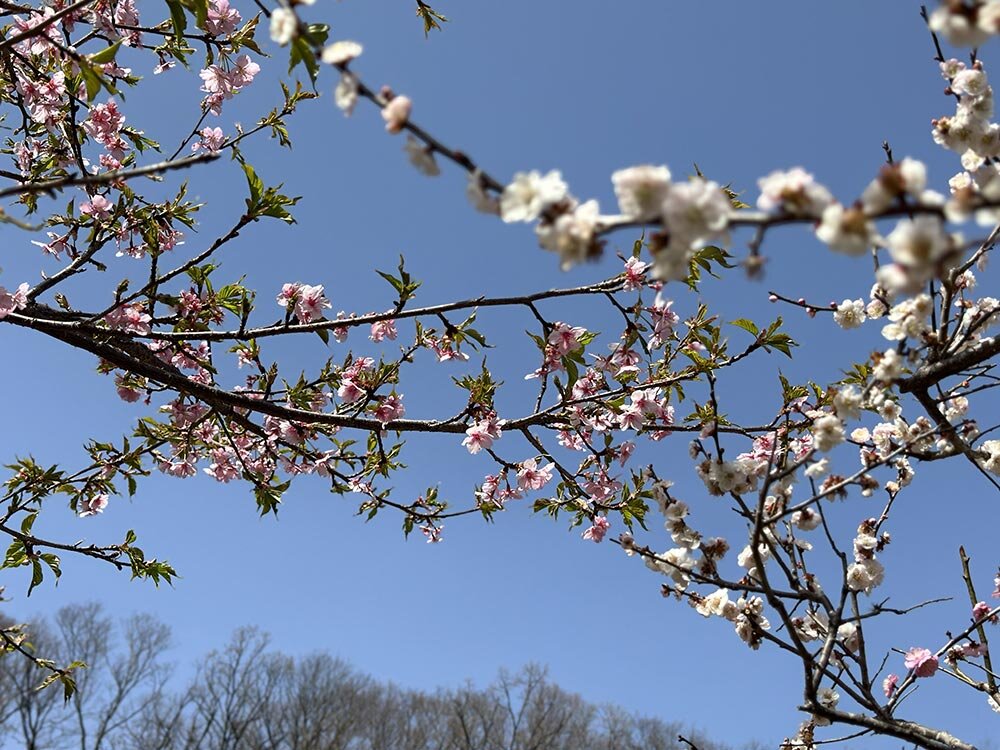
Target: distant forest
250,696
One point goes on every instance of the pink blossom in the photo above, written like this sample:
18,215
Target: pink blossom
131,317
971,649
11,301
91,506
889,685
98,206
571,440
625,451
349,391
982,611
596,532
104,123
224,466
631,418
600,487
390,408
565,338
433,533
311,303
221,18
383,329
664,320
179,467
211,140
532,477
126,390
243,73
396,113
921,661
482,434
635,274
39,43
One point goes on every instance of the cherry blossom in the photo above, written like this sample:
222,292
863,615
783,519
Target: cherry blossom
921,661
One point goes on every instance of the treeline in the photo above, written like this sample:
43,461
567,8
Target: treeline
250,696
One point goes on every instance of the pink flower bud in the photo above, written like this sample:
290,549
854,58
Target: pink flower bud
396,113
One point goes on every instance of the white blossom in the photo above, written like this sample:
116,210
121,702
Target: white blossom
850,313
284,25
421,157
341,52
828,432
641,191
571,234
480,199
918,243
865,575
847,402
346,93
529,194
795,192
696,211
846,230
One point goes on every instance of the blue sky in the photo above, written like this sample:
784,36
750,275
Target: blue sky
587,87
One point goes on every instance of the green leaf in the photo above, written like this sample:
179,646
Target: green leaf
37,575
178,18
107,54
747,325
431,18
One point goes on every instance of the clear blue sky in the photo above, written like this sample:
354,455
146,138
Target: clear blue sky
588,87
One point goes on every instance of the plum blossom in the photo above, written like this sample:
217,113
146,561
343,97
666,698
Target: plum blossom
529,194
341,53
596,532
696,211
717,603
865,575
991,447
476,192
828,698
641,191
889,685
421,157
907,177
828,432
846,230
396,113
572,234
345,95
284,25
957,26
794,192
919,243
531,476
921,661
850,313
